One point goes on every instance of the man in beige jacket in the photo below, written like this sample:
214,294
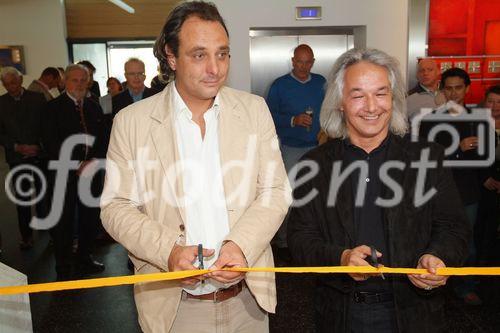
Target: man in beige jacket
198,163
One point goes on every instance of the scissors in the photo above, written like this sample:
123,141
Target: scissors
200,259
375,260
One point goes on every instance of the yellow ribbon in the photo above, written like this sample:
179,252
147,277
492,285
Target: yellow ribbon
141,278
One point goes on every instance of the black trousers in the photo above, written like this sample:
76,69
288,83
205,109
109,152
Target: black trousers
25,190
88,223
373,318
488,220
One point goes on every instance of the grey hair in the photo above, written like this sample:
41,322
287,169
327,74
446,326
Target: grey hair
332,119
10,71
74,67
133,59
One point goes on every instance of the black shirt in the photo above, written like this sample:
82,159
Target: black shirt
368,217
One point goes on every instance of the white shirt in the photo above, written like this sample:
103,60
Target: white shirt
207,221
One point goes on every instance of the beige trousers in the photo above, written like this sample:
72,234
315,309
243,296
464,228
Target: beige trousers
239,314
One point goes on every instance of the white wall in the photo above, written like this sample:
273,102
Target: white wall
39,26
386,25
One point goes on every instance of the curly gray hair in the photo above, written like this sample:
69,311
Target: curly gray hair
332,119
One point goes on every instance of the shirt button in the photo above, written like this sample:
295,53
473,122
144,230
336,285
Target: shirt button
367,180
181,226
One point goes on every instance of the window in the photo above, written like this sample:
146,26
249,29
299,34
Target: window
109,58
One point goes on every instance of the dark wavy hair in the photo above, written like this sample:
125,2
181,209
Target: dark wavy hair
455,72
112,78
169,35
492,90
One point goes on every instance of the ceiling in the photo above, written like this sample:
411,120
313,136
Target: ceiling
100,19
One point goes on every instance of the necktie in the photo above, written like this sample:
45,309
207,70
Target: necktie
79,108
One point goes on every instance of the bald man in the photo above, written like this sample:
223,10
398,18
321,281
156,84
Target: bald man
426,93
295,102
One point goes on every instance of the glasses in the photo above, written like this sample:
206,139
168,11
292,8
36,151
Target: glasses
135,74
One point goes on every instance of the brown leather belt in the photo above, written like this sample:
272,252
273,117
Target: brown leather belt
219,295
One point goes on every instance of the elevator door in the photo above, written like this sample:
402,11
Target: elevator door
270,56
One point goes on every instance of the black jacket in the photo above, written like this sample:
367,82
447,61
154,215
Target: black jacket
94,89
417,89
63,120
469,180
317,235
124,99
20,123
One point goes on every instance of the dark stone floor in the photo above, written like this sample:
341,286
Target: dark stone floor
112,309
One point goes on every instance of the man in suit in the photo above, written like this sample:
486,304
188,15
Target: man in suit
489,203
67,115
370,193
198,163
21,136
49,79
136,90
455,84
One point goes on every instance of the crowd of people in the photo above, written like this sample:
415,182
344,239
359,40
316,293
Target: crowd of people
197,174
34,124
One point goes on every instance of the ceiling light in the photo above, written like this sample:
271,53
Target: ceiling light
123,6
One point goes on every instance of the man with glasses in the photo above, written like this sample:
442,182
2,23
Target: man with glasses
136,90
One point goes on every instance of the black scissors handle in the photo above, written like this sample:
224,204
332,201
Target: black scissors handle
200,256
200,259
373,256
375,260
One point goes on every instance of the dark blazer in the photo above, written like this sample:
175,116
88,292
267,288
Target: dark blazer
94,88
63,120
469,180
124,99
317,235
20,122
417,89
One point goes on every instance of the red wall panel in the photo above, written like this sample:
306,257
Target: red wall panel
466,28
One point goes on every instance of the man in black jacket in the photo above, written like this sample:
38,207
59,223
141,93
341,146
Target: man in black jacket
489,204
20,134
374,189
71,114
455,84
136,90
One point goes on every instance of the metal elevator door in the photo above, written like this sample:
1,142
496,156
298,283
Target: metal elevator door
270,56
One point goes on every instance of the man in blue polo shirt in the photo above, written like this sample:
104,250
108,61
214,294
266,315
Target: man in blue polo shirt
295,102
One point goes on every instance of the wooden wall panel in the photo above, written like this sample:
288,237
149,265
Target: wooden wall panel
102,19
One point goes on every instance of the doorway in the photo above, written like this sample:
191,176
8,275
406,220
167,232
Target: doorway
271,50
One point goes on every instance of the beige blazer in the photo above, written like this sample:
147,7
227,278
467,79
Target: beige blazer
141,205
37,87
